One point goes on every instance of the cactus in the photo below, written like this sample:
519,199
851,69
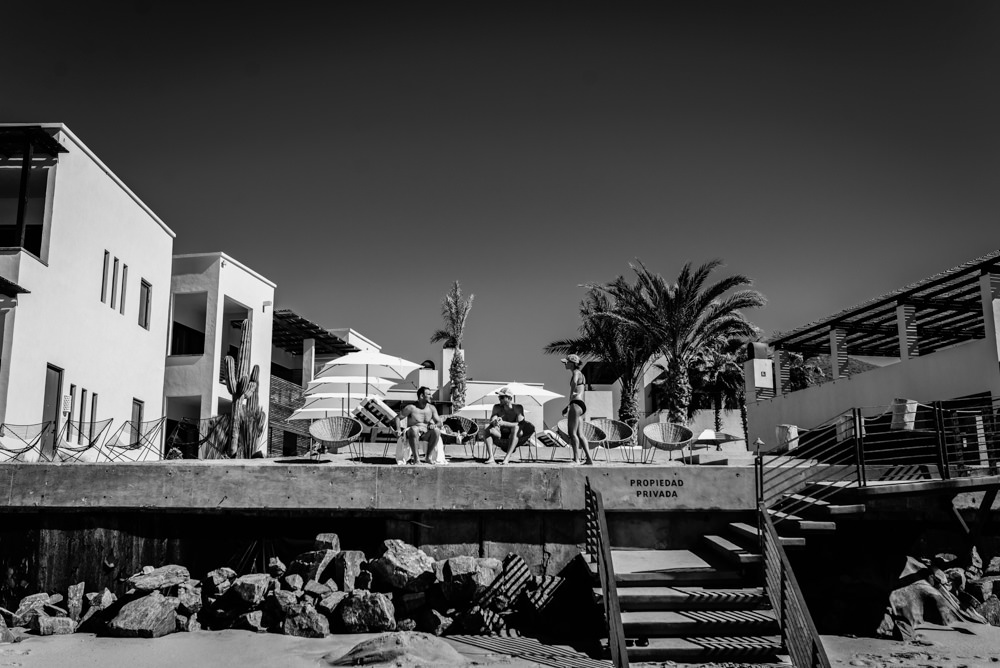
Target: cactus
248,420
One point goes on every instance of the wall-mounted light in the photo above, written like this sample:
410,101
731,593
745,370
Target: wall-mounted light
263,307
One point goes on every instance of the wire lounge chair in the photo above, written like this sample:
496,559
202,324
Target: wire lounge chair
548,439
617,434
591,432
22,442
467,435
81,441
667,436
336,432
135,442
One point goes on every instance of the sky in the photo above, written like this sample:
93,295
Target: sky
365,155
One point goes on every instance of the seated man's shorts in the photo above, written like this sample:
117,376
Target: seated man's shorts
506,433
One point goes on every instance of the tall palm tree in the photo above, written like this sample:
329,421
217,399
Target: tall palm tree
718,375
455,311
627,350
684,318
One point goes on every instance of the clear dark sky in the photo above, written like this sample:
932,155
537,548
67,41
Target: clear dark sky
364,156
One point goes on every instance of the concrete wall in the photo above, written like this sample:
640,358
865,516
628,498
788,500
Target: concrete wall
965,369
63,321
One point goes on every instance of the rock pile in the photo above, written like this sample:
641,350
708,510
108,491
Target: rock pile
326,590
943,591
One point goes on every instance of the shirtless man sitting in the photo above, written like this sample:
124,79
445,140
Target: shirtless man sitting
422,424
507,425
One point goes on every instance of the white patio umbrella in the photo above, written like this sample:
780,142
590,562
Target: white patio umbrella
368,364
539,394
477,409
316,413
349,384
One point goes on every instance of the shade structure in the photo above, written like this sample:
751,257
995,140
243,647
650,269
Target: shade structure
368,364
539,394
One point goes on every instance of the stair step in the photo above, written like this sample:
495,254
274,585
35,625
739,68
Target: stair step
748,532
732,552
801,524
690,623
667,568
688,598
822,507
752,648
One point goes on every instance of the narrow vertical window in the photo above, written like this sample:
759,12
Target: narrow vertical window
83,411
104,279
93,415
137,407
121,308
114,285
72,409
145,301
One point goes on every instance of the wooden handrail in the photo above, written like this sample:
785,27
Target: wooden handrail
609,588
801,638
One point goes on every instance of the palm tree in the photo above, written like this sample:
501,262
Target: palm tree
718,375
684,318
454,312
627,350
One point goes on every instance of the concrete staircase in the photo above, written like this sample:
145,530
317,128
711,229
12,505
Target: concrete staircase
701,605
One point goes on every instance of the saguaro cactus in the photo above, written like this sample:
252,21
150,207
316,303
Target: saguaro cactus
248,419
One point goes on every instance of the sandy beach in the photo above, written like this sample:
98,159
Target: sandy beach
970,646
203,649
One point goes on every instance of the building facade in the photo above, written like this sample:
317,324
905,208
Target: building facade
86,341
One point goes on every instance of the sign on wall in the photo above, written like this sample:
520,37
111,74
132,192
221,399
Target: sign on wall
763,374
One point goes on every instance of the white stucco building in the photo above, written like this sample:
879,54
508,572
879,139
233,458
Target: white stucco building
90,334
210,295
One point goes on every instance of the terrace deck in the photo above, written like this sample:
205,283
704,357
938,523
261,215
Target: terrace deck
371,483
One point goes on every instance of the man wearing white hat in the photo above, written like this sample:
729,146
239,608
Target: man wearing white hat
508,426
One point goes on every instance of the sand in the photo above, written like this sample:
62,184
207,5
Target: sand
208,649
970,645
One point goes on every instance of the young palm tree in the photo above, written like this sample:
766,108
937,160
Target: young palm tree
454,312
718,374
626,349
684,318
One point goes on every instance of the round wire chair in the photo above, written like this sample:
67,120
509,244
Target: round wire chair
336,432
617,434
668,436
594,434
469,432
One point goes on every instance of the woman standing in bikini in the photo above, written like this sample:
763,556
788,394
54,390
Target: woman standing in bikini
574,412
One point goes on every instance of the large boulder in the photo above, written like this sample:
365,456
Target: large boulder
189,597
927,596
293,582
304,621
316,590
404,648
347,567
280,602
365,612
432,621
217,582
250,589
313,565
160,578
328,604
99,608
990,610
251,621
327,541
74,601
151,616
402,566
275,567
55,626
29,608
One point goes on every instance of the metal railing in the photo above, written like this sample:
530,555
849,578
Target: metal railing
801,639
905,441
599,547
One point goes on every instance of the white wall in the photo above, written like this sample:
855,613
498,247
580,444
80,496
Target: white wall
221,277
968,368
63,321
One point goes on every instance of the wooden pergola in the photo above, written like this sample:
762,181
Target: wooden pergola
290,330
932,314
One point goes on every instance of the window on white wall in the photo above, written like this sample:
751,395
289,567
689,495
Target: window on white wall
121,308
114,285
93,415
72,409
145,303
83,409
104,279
